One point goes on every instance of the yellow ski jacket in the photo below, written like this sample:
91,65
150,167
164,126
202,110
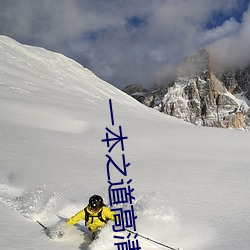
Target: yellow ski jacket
93,223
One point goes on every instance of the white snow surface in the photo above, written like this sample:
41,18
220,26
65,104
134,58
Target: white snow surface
192,184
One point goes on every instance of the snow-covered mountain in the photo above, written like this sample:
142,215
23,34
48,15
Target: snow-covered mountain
191,183
201,95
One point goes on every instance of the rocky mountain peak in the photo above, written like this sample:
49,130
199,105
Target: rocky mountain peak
196,64
200,96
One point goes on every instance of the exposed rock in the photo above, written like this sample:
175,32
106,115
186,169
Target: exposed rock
133,88
137,91
237,81
201,97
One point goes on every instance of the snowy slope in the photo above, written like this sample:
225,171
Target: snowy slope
191,183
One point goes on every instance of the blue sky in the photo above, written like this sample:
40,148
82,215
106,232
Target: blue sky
131,41
218,17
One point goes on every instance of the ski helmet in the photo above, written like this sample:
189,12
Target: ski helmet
95,202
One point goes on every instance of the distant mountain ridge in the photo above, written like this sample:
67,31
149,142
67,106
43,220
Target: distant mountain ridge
200,95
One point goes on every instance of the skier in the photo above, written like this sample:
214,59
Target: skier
95,214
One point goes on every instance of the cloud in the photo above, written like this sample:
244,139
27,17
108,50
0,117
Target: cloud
228,28
233,49
123,42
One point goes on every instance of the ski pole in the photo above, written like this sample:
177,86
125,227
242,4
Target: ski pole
159,243
45,228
